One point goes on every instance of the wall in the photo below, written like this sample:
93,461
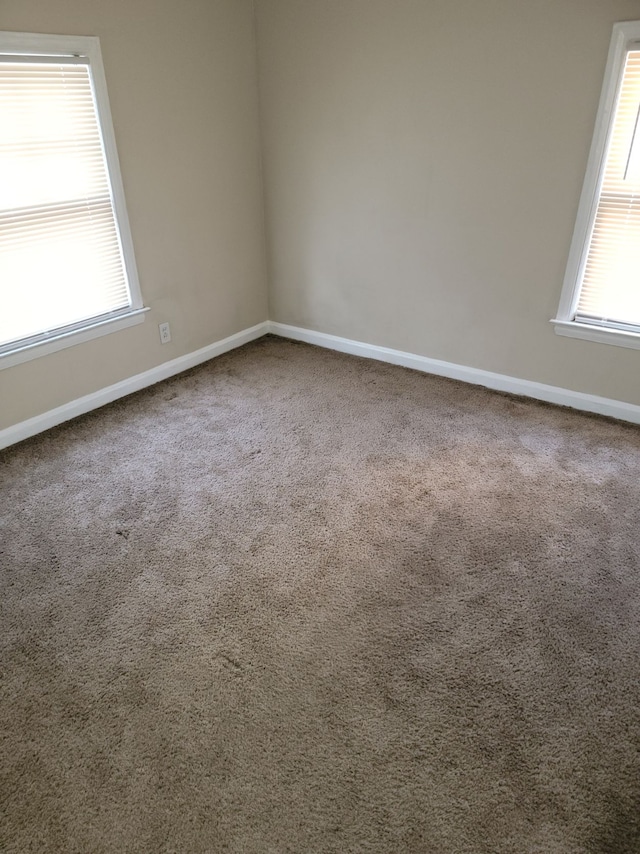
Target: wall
182,86
423,162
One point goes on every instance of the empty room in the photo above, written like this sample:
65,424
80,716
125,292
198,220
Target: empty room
320,426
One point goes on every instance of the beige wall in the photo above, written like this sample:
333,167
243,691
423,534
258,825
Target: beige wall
423,161
182,86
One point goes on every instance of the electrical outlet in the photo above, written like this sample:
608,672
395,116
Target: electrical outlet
165,333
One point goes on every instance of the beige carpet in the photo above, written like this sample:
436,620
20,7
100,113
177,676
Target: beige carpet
294,601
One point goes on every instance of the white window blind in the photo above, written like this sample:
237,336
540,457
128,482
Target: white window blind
610,286
61,259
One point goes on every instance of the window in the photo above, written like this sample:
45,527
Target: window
601,293
67,270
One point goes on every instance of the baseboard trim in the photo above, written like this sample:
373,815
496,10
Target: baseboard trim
26,429
499,382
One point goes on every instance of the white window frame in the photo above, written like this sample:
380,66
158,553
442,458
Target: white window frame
624,35
38,44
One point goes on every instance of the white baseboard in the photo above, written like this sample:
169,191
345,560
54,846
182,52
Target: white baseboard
499,382
32,426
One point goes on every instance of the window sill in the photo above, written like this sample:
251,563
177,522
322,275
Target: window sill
600,334
24,353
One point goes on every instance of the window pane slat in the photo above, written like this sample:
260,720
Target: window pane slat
609,291
61,259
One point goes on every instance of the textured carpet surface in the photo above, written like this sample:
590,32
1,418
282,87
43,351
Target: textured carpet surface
294,601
